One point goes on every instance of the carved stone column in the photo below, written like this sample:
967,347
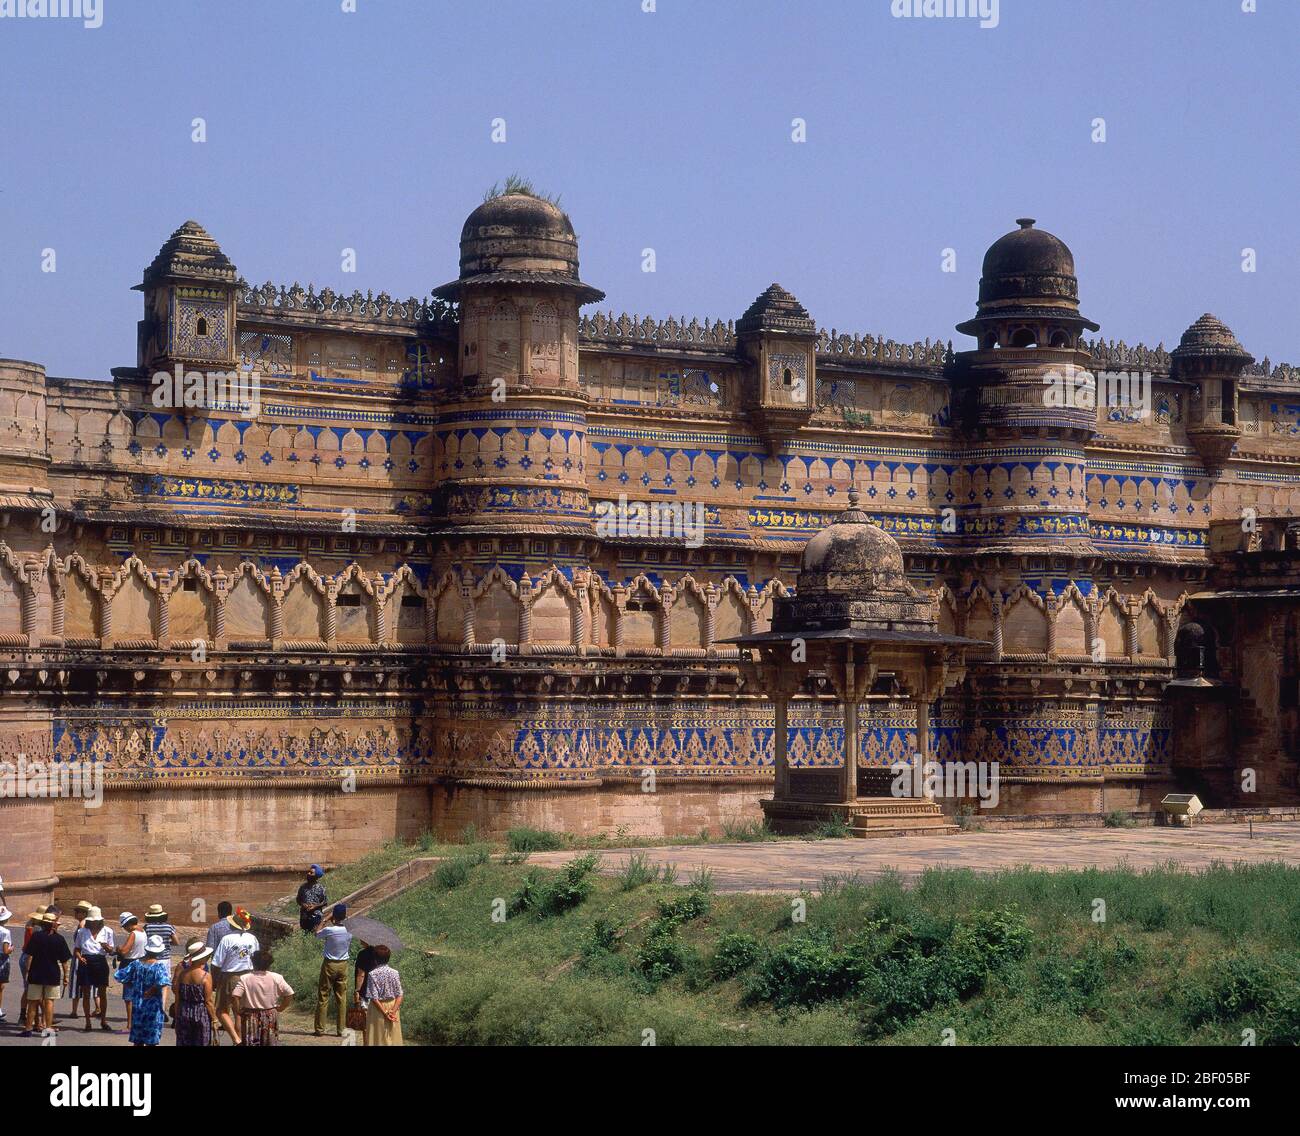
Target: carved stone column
106,611
780,745
164,616
620,610
663,628
525,618
28,615
380,601
59,614
467,624
331,617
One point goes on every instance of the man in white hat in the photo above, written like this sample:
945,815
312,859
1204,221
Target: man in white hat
91,947
6,950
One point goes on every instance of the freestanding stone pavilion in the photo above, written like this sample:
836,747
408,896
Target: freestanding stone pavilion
378,601
856,623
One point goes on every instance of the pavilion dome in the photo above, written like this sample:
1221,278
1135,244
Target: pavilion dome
1029,274
1209,336
851,555
518,238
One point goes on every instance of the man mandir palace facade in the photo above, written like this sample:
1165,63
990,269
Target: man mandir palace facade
274,632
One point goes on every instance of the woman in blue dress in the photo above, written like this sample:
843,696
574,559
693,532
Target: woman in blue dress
143,981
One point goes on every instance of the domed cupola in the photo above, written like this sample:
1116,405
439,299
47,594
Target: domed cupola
518,389
852,577
519,238
1209,357
1029,294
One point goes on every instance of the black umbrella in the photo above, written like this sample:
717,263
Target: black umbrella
374,933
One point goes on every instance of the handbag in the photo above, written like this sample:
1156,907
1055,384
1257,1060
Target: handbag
356,1019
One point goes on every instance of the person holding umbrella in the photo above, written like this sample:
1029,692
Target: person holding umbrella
337,943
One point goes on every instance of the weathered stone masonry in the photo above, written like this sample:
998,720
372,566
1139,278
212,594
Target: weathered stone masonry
240,618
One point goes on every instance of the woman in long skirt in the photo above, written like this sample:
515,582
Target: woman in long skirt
195,1007
152,976
261,996
383,997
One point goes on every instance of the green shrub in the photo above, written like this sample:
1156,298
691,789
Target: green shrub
637,872
746,831
453,873
546,894
533,840
736,951
661,955
691,904
805,970
701,879
832,828
1260,992
1117,818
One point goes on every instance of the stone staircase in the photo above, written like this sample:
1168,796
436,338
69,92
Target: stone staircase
871,817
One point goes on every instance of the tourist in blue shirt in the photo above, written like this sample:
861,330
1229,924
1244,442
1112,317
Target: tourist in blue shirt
337,942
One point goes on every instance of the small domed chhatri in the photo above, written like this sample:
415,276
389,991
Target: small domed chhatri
519,238
1028,273
852,578
1210,336
851,555
854,616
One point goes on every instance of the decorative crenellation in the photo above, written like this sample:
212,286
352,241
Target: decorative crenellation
412,313
1119,356
720,336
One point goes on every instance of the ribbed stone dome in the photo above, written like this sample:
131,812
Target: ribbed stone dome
190,253
518,238
1028,264
1210,336
851,555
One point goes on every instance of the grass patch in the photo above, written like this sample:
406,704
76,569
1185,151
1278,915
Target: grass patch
1007,958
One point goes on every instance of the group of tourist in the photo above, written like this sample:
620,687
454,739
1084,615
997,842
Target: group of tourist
223,982
377,987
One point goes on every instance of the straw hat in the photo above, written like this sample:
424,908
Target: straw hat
38,916
156,911
197,951
82,905
94,915
241,919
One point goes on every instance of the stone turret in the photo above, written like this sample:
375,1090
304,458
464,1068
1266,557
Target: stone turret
1209,356
779,338
190,290
1027,384
518,392
24,454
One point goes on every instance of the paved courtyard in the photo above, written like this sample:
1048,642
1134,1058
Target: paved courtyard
783,866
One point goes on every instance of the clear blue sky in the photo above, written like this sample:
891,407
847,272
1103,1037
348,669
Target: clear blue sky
668,131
